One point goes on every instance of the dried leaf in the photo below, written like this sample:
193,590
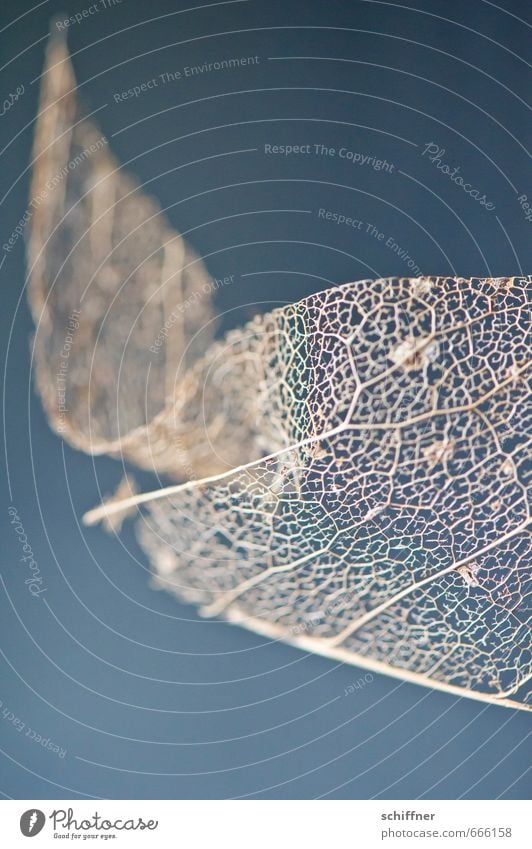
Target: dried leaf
392,532
362,454
103,258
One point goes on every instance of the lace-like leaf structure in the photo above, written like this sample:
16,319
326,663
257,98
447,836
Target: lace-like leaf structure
355,464
388,525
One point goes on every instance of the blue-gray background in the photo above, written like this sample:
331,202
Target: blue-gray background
148,700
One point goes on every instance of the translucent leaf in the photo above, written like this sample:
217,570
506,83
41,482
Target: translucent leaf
109,279
361,455
391,532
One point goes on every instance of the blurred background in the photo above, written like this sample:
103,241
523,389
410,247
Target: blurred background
108,687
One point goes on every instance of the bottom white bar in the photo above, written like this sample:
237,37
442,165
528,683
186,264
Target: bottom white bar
267,824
